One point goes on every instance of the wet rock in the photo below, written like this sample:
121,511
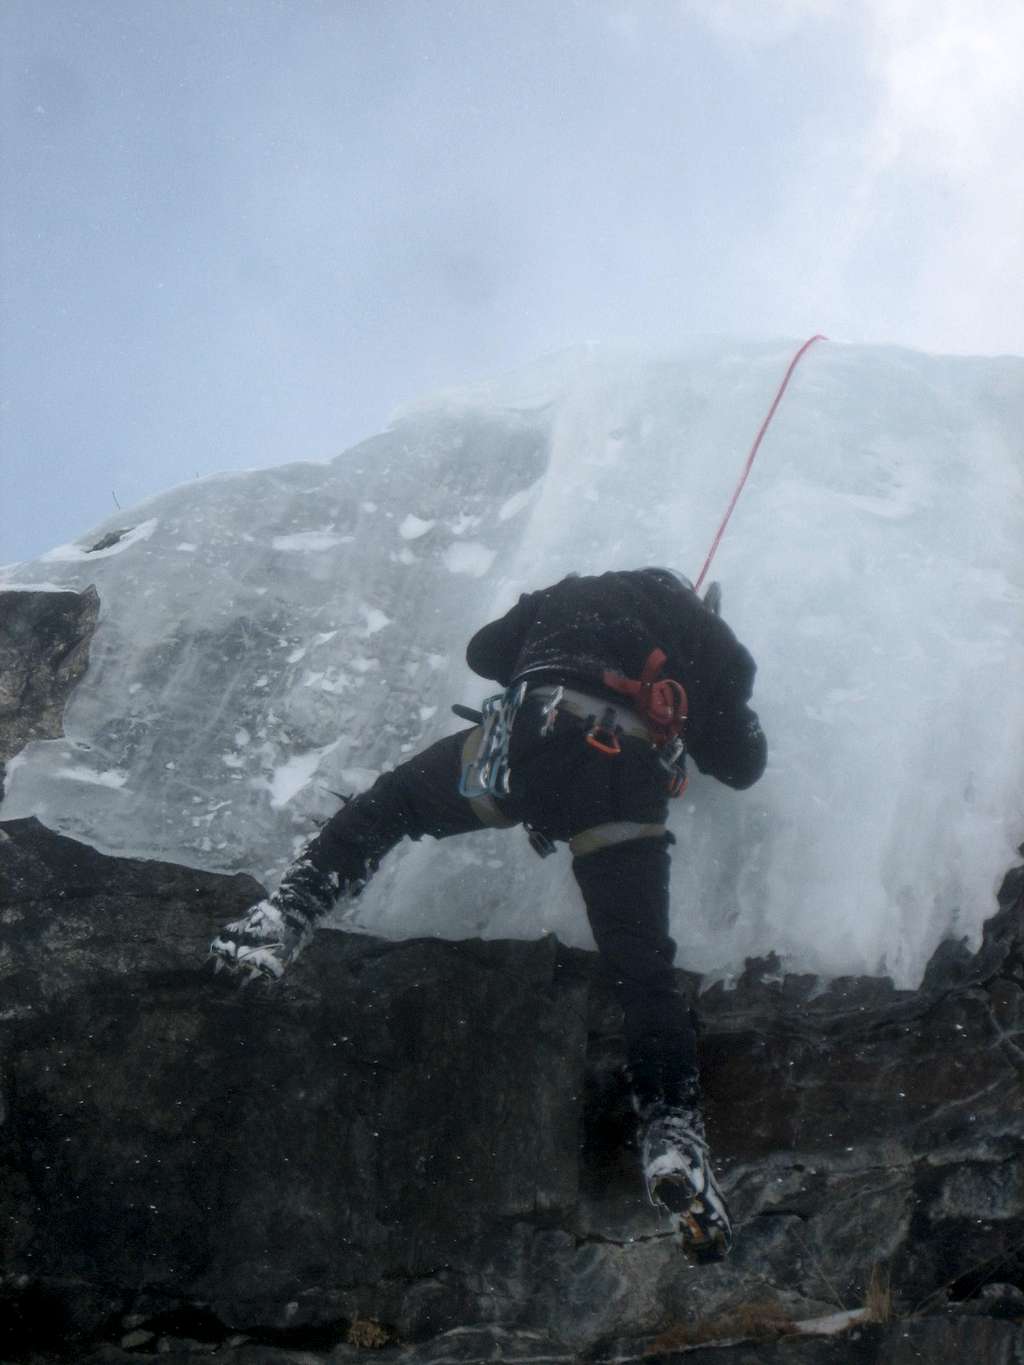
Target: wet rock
44,650
429,1135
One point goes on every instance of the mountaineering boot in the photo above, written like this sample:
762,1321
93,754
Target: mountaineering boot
275,931
335,865
677,1172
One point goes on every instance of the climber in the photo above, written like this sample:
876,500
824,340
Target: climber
610,682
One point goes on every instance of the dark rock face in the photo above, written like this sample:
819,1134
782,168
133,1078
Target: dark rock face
425,1146
44,650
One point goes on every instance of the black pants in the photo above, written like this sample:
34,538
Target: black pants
562,786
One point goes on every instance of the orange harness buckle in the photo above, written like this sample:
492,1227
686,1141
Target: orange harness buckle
663,704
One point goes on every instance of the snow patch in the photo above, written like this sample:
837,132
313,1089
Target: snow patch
12,765
512,506
290,778
469,557
413,527
833,1324
10,586
77,554
375,620
113,777
335,685
310,542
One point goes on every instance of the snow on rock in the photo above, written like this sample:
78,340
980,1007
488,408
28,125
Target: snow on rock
833,1324
874,566
8,582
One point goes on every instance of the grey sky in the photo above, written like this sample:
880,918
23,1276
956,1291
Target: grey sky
240,232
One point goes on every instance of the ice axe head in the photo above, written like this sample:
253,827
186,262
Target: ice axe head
713,598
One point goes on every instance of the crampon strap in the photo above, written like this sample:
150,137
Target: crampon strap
662,702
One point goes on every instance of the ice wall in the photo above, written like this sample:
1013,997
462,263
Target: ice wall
272,638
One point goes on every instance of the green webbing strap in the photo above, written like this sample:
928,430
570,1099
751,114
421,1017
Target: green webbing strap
607,836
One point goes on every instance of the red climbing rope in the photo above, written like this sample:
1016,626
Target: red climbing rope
754,449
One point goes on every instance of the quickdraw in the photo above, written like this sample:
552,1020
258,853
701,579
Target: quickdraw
488,773
603,734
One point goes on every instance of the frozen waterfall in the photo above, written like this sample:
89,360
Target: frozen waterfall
270,639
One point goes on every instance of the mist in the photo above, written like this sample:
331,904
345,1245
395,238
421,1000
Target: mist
244,231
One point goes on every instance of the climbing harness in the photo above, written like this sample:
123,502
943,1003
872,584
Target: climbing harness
656,713
753,452
603,722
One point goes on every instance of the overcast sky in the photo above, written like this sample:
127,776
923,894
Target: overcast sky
240,232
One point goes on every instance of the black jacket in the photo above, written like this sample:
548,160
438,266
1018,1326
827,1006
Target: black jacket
575,630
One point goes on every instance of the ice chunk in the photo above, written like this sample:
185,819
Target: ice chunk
412,527
290,778
469,557
374,619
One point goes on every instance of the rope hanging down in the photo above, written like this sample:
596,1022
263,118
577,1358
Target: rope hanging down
753,451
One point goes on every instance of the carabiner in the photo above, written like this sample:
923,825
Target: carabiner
603,735
549,711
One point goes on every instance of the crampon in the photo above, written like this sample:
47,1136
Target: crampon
680,1181
259,946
